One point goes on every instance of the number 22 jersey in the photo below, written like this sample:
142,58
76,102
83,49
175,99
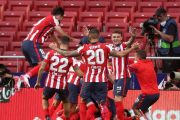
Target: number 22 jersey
96,56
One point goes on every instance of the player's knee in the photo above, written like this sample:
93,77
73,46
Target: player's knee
118,98
134,107
43,97
56,103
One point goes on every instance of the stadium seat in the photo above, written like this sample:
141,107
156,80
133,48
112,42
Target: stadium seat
45,47
59,1
124,7
141,17
21,36
137,26
27,67
155,0
89,25
90,17
13,53
70,17
98,6
121,17
73,6
37,15
27,26
175,16
124,27
3,47
13,66
148,6
14,16
21,6
77,35
68,27
2,7
45,5
73,45
172,7
111,2
16,46
6,36
106,36
9,26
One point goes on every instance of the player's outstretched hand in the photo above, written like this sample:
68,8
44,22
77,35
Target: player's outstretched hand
75,40
37,86
133,32
86,31
53,46
136,46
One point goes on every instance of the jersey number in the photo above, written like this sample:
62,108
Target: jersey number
99,53
60,69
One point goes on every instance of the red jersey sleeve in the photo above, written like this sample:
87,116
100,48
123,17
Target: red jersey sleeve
133,67
48,57
109,48
74,62
54,21
130,61
81,49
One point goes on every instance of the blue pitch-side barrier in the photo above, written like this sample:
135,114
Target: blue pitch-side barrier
134,82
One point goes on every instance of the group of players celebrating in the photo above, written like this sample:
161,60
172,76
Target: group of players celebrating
86,71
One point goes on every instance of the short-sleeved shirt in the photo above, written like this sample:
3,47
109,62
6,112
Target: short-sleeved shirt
146,76
95,55
41,30
120,68
58,69
72,76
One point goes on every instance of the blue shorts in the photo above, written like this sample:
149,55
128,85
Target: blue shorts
99,89
74,91
32,52
49,93
143,102
121,86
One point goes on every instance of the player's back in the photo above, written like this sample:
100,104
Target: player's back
96,55
40,31
58,69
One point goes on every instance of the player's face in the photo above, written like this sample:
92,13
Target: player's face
59,17
135,57
162,17
116,38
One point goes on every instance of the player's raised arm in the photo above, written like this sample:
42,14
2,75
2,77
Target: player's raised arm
40,73
55,39
124,53
78,71
73,53
133,34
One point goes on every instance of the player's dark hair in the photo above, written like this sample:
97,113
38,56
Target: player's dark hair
64,40
128,113
117,31
142,54
94,33
58,11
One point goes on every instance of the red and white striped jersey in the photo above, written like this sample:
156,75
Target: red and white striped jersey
58,69
72,76
120,68
41,30
95,55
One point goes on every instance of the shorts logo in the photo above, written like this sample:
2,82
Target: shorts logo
137,100
118,88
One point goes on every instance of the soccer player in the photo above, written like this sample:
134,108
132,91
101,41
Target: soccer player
56,81
95,77
146,76
31,46
120,70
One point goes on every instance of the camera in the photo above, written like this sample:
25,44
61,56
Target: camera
147,29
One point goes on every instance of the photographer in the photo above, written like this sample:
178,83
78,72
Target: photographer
168,42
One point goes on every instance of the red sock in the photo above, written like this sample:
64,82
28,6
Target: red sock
82,110
34,72
128,118
119,110
75,116
46,112
67,118
90,111
52,108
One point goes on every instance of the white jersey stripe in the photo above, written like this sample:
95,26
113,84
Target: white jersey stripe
97,76
29,33
32,37
117,67
64,81
92,75
52,81
47,80
77,78
103,74
55,20
70,78
122,63
87,74
58,82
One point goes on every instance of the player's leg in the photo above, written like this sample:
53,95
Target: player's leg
55,104
101,92
47,94
35,55
85,94
120,90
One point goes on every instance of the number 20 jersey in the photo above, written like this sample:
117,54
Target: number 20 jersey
58,69
96,56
